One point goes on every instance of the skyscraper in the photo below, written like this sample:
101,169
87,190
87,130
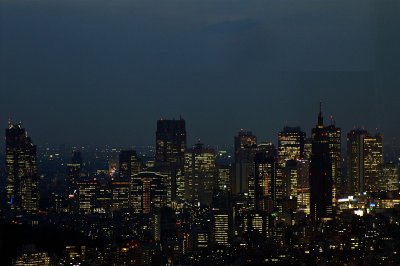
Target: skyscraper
148,192
245,150
320,172
335,151
373,160
74,174
74,170
263,183
21,170
200,174
290,144
364,157
170,155
129,164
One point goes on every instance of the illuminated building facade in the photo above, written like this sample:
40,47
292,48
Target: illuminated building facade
290,144
21,170
33,259
148,192
120,190
200,174
389,177
221,227
263,190
224,177
87,195
290,174
373,160
365,158
335,151
303,186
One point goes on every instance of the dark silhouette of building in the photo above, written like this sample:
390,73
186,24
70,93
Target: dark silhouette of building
170,155
263,183
320,172
129,164
245,150
21,170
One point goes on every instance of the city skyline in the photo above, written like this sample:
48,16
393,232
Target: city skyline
228,141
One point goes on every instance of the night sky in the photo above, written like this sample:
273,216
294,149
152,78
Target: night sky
102,72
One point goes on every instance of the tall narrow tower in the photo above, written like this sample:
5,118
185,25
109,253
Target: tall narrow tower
21,170
170,155
320,172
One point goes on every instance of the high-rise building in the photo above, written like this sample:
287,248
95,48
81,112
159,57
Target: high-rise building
355,160
364,158
224,177
74,176
148,192
335,151
21,170
129,164
200,174
389,177
74,171
303,186
320,172
263,183
290,144
290,174
87,195
221,227
245,150
120,191
170,155
373,160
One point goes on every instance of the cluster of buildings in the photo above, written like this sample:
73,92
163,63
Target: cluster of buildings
300,202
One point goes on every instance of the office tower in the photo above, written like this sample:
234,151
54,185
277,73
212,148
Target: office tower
303,186
170,155
262,183
364,158
21,170
87,194
389,177
222,225
129,164
290,174
373,160
120,191
224,177
200,174
256,226
148,192
335,151
355,160
104,197
74,171
307,149
245,149
320,173
290,144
